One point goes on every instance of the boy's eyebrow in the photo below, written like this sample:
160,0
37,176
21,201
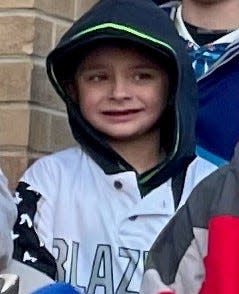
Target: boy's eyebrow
145,66
89,67
92,66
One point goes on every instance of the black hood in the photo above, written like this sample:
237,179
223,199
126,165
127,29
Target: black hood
141,22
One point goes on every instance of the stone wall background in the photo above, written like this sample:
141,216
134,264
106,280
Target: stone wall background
33,121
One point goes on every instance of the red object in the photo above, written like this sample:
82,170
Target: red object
222,260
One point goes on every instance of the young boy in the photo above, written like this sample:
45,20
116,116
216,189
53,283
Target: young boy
92,212
203,258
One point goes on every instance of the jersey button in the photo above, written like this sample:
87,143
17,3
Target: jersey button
118,185
133,217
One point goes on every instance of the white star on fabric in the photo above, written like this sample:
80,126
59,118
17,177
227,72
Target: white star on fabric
25,218
31,189
17,198
28,257
14,236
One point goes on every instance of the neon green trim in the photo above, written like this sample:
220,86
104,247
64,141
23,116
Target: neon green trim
122,28
149,176
56,81
121,166
117,27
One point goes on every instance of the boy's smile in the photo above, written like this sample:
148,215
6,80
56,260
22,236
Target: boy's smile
121,91
121,115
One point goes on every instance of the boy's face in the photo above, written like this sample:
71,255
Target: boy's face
121,92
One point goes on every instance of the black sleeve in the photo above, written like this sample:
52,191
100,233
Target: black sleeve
27,246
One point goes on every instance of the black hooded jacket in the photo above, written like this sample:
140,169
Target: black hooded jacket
141,22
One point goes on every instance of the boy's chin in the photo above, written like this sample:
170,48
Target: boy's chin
125,137
121,138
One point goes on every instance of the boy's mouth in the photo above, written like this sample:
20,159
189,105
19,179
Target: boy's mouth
121,112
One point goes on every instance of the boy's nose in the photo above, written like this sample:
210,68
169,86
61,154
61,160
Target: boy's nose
120,89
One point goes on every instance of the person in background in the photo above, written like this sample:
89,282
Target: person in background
8,215
210,29
198,251
89,214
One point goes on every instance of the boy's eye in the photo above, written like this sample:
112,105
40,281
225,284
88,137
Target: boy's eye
142,76
97,77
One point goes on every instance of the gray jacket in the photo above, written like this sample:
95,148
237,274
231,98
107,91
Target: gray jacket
7,218
197,252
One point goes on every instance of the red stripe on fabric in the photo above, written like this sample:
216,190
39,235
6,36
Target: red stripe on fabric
222,260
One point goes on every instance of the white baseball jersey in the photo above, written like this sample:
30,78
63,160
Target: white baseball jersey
97,226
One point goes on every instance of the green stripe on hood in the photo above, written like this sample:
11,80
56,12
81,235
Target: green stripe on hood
118,27
123,28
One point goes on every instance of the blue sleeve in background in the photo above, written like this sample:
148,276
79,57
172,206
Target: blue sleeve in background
57,288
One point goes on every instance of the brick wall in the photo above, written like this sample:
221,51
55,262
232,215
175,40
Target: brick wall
32,118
